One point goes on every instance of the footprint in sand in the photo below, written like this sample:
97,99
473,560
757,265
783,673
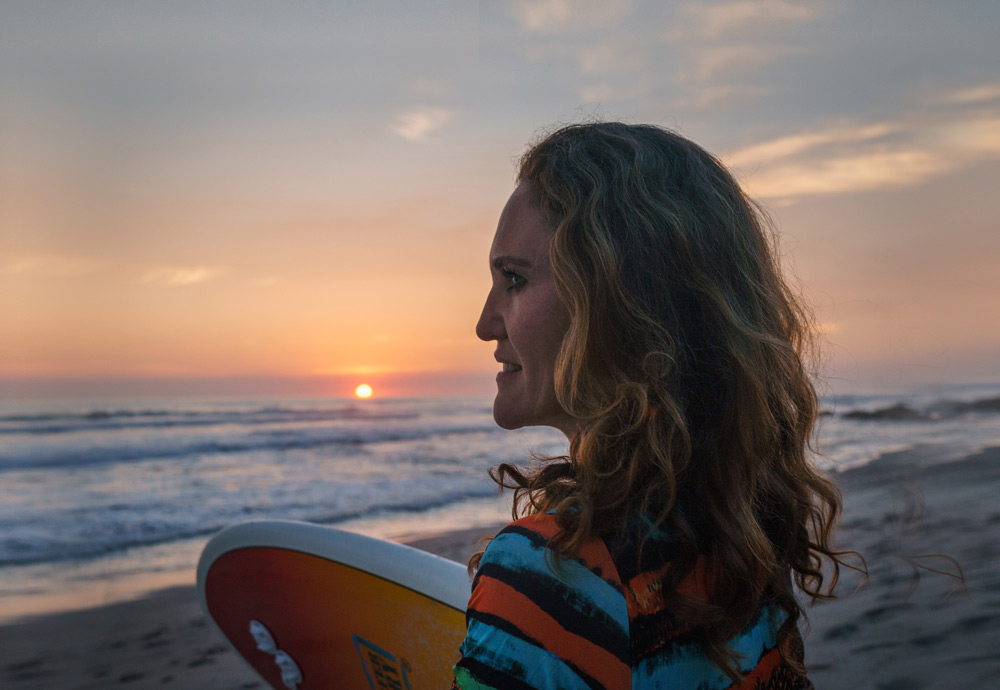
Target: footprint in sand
159,632
840,631
875,646
931,640
900,683
881,613
978,623
31,668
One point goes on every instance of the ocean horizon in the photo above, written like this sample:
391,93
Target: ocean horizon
106,499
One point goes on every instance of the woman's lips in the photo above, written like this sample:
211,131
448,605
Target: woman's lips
508,370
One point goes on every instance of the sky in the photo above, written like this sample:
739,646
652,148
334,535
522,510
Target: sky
308,190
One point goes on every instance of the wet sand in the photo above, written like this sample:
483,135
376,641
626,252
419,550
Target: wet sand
887,635
162,640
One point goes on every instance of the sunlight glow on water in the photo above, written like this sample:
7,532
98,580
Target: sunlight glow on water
101,501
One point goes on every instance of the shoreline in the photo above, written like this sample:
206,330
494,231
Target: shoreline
897,510
91,593
160,639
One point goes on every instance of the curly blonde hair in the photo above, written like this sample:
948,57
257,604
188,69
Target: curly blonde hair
684,366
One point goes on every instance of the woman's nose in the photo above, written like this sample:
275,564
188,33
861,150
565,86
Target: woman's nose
490,324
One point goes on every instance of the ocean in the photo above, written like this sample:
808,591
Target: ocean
101,502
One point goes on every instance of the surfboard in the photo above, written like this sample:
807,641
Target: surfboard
313,607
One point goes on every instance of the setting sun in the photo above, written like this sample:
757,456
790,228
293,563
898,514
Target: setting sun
363,391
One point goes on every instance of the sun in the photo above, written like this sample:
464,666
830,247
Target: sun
363,391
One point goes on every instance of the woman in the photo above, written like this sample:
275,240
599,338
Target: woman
638,307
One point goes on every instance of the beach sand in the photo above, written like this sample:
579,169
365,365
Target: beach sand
911,627
883,636
162,640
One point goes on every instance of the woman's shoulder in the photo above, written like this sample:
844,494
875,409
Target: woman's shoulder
536,619
526,545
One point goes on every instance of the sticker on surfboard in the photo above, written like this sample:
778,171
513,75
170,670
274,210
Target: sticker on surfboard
311,607
383,670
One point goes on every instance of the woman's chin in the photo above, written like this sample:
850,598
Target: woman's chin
510,416
506,419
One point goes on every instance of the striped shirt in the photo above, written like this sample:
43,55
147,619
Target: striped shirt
596,622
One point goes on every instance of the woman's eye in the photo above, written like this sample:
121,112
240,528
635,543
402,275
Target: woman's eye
514,279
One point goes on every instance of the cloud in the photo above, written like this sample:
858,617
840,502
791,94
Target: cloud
865,157
721,50
864,172
48,265
181,276
784,147
973,137
708,64
561,15
614,66
717,20
419,123
539,15
625,66
625,55
976,94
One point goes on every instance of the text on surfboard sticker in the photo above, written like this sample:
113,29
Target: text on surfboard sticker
384,671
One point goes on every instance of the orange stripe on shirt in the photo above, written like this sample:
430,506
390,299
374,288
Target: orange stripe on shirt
644,595
762,671
500,599
593,553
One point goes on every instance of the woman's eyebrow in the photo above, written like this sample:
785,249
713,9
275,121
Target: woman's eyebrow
501,261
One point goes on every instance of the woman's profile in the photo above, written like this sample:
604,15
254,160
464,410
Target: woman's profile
638,306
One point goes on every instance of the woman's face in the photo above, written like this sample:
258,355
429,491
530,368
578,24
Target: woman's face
526,318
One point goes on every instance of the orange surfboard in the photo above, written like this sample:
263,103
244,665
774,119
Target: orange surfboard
313,607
